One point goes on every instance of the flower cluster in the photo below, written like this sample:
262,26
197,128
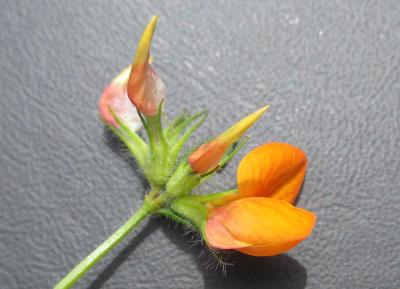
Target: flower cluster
257,218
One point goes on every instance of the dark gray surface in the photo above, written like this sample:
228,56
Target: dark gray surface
329,69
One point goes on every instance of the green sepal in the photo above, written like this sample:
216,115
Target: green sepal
176,149
182,181
154,128
182,122
190,209
145,124
215,198
166,212
178,120
136,145
194,208
161,163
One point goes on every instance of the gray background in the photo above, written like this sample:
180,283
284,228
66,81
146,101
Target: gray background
329,70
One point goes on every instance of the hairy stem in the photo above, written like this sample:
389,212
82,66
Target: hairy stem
68,281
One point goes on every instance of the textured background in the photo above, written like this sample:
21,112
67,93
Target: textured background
329,69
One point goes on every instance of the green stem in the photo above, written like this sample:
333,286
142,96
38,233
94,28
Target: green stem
68,281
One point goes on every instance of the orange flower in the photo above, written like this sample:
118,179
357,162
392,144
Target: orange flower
208,155
145,88
258,226
115,97
259,220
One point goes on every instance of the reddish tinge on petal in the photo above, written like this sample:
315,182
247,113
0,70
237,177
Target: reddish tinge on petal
145,88
115,97
274,170
208,155
258,226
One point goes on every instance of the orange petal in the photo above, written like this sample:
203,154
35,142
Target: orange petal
145,88
274,170
208,155
233,133
116,98
258,226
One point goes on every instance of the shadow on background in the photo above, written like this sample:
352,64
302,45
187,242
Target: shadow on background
278,272
106,274
119,148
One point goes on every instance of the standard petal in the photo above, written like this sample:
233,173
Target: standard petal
145,88
115,97
273,170
258,226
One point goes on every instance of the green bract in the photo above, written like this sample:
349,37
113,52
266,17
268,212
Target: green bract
162,156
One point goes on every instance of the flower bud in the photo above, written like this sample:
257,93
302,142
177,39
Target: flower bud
208,155
145,88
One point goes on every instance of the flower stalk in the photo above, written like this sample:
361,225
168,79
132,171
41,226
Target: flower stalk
148,208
